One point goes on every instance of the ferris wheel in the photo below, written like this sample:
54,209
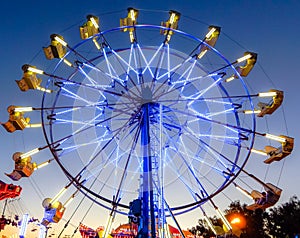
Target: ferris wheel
139,113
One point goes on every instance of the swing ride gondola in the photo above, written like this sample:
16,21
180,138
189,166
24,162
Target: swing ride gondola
131,118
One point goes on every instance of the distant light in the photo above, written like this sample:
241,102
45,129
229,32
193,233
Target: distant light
131,36
260,152
230,79
23,109
223,218
34,125
29,153
132,14
61,192
210,225
96,43
248,56
42,164
277,138
250,111
212,30
235,220
35,70
67,203
243,191
42,232
172,18
202,54
61,41
43,89
67,62
24,225
94,22
267,94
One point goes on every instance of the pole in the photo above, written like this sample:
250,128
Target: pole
147,200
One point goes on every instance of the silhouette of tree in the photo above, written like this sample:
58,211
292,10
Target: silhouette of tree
284,220
255,220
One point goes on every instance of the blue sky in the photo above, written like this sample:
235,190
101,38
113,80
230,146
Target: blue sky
269,28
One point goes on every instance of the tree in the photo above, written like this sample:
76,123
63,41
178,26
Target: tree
284,220
278,222
255,220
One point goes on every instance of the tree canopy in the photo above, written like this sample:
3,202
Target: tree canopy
278,222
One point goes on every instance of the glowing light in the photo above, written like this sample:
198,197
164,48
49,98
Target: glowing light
42,164
250,111
34,125
277,138
29,153
35,70
247,194
61,41
202,53
267,94
212,30
61,192
96,43
67,203
42,233
235,220
132,14
67,62
94,22
23,109
172,18
24,225
43,89
223,218
230,79
248,56
260,152
131,36
210,225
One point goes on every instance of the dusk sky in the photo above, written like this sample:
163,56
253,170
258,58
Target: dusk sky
269,28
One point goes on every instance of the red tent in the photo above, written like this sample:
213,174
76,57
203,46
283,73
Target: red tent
175,233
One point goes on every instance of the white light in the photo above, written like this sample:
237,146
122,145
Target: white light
42,164
243,191
61,192
250,111
131,36
230,79
94,23
132,15
202,53
210,225
172,18
24,225
43,89
67,62
67,203
225,221
58,39
29,153
267,94
23,109
212,30
35,70
277,138
96,43
248,56
35,125
42,233
260,152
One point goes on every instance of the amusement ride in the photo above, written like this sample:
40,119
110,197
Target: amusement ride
145,121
